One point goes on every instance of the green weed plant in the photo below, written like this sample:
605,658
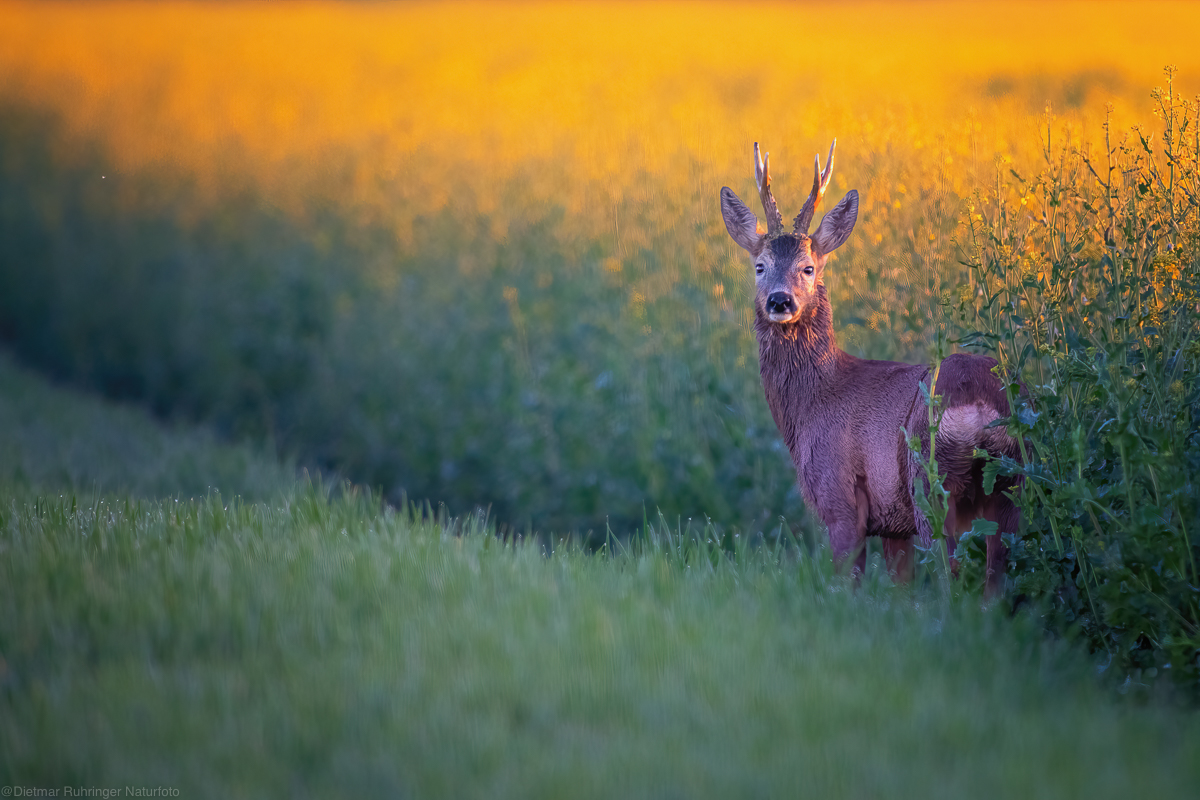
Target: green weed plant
1085,283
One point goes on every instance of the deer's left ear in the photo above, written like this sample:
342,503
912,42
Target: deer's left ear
836,226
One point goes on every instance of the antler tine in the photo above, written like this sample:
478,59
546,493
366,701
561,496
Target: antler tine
820,184
762,177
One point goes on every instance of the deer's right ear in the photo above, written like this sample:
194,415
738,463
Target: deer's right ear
740,222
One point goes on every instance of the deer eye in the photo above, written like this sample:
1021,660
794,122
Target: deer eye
808,270
758,268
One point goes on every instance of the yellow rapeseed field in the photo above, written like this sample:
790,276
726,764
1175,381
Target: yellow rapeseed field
589,103
628,116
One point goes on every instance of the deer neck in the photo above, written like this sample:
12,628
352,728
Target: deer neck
798,362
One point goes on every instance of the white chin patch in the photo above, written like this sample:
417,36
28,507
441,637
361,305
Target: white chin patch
780,317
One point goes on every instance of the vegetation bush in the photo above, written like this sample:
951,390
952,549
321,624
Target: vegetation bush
516,375
1085,283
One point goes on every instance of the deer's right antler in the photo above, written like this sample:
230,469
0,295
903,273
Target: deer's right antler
820,184
762,176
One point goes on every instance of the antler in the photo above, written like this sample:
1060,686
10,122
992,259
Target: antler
762,176
820,184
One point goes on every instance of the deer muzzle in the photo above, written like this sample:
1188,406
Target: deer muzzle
781,306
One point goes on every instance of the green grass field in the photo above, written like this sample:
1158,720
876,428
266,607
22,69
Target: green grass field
318,644
53,440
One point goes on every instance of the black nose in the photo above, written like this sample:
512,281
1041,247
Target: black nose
780,303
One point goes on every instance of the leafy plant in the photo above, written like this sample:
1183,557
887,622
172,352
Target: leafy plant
930,495
1085,283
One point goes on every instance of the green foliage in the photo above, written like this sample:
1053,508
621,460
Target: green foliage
930,495
1086,285
534,374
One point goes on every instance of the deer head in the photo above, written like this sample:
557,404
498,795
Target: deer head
788,267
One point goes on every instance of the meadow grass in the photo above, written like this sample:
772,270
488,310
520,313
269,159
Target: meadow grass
54,440
329,647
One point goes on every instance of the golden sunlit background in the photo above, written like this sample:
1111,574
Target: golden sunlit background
471,253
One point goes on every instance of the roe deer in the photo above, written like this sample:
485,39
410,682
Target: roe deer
841,416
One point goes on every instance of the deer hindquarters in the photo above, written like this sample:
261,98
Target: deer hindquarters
963,430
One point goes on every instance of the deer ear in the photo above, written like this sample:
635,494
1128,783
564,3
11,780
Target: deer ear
740,221
836,226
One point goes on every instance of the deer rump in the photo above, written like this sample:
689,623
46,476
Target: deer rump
973,399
